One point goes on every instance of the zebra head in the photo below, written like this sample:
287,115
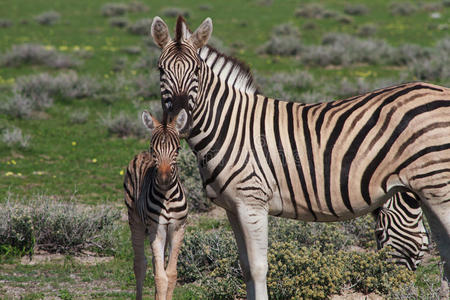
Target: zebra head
165,144
180,65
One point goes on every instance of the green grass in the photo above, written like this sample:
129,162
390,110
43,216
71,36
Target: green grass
83,159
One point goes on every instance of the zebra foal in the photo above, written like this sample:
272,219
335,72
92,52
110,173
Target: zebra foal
319,162
157,204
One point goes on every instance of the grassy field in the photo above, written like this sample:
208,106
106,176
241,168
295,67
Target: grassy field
79,123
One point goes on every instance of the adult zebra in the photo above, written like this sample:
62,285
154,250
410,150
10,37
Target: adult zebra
399,224
319,162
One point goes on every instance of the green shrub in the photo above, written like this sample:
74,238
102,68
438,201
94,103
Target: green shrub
306,260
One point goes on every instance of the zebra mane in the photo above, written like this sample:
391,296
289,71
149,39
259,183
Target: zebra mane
229,69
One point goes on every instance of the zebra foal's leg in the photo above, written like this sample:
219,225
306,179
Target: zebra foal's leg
250,229
176,235
158,235
140,261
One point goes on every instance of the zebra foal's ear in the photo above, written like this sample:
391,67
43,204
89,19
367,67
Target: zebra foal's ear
201,36
181,120
149,121
160,32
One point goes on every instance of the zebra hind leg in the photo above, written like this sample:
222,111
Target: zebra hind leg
438,216
138,236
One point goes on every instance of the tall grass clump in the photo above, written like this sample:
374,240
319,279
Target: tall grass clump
54,226
284,41
34,54
48,18
13,137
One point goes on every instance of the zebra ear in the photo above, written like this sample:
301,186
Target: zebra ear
160,32
181,120
201,36
149,121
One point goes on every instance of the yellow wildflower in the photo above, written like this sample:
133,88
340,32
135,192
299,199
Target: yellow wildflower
13,162
19,174
74,143
9,173
94,160
121,172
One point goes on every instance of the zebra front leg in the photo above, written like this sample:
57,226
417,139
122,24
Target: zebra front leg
140,261
158,234
176,235
250,229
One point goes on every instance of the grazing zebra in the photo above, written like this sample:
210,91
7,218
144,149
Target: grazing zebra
399,224
157,204
313,162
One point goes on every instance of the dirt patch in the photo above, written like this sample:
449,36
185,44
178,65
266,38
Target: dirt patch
42,257
356,296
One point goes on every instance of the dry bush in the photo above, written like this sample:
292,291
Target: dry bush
402,8
367,30
123,125
54,226
141,27
48,18
13,137
114,9
120,22
34,54
283,41
356,9
79,116
174,12
5,23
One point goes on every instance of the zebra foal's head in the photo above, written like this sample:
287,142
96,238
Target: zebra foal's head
180,65
164,147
